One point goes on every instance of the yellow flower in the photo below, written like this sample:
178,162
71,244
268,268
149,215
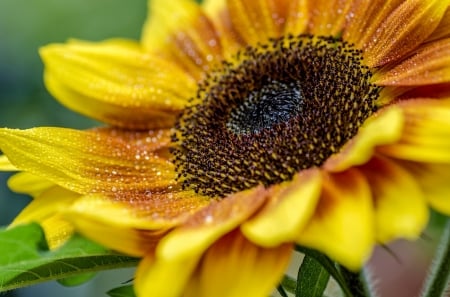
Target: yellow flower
236,129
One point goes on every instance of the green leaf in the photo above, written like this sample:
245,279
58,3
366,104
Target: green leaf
438,278
289,284
76,280
328,265
124,291
312,278
26,260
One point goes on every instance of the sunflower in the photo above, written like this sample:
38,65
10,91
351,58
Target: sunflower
237,129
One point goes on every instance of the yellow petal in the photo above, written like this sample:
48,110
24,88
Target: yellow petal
288,209
180,250
5,165
102,160
114,232
235,267
343,224
57,231
49,202
155,277
220,15
257,21
116,82
400,206
434,181
403,30
426,133
148,211
384,127
328,17
181,32
443,29
297,17
27,183
45,209
429,65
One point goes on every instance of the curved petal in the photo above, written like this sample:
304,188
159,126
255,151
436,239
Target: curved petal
195,236
27,183
45,209
434,181
143,218
117,83
289,208
154,277
343,224
400,206
403,30
328,17
429,65
235,260
49,202
385,127
426,133
116,236
180,31
5,165
103,160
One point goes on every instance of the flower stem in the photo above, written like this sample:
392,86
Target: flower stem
438,278
359,283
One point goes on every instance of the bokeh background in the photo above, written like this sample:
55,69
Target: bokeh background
25,25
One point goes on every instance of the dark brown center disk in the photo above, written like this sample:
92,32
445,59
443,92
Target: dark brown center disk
273,111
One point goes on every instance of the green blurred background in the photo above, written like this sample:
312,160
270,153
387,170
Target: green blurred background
25,25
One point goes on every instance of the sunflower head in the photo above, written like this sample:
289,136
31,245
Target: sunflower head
274,110
238,129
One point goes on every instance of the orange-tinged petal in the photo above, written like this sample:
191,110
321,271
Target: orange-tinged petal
297,17
220,15
328,17
426,133
257,21
343,224
180,31
117,236
195,237
365,17
434,181
5,165
212,222
107,161
429,65
148,211
235,267
116,82
400,206
27,183
138,221
383,128
403,30
288,209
